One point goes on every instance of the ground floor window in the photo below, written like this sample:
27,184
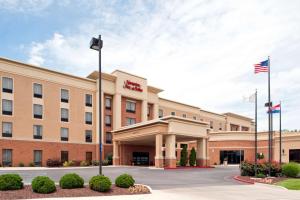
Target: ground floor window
294,155
140,158
89,156
232,157
64,156
7,157
108,138
37,157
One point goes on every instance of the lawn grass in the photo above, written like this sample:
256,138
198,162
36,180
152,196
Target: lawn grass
291,184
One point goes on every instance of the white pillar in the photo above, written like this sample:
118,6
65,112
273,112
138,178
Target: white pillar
170,147
144,111
116,158
117,100
155,111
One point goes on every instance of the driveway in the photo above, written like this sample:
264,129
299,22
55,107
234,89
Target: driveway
155,178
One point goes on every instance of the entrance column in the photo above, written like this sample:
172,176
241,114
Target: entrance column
116,158
159,160
170,151
201,152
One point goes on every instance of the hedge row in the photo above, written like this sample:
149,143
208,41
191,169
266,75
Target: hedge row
44,185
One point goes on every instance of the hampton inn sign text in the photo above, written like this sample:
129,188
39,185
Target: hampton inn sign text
132,86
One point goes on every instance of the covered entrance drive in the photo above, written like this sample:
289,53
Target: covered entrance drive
144,143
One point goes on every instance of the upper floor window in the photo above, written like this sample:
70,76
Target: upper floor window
37,132
64,134
173,113
160,113
7,107
6,129
64,95
88,100
130,121
107,120
220,126
108,138
184,115
108,103
37,90
7,85
64,115
88,136
211,124
88,118
130,106
37,111
148,110
194,118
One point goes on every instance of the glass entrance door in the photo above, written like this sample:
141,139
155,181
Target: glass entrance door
232,157
140,158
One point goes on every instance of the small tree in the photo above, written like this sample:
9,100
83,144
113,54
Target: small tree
192,158
183,156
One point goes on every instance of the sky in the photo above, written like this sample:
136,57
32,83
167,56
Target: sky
200,52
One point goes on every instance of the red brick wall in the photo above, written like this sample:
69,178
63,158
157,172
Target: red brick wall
23,150
138,111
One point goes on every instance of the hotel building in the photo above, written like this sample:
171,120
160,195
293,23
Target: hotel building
47,114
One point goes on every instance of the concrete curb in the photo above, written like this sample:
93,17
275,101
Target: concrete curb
47,168
244,181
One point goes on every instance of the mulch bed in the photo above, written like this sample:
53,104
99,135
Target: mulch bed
252,180
27,193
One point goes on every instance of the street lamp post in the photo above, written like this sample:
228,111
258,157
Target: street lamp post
96,44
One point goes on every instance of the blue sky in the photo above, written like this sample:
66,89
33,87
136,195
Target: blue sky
200,52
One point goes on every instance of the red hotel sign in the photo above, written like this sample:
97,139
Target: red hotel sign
132,86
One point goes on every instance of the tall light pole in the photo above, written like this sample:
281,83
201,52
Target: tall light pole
97,44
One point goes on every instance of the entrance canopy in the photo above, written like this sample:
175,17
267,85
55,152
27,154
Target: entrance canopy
166,131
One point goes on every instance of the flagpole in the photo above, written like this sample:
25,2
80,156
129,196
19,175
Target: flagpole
269,112
280,135
255,133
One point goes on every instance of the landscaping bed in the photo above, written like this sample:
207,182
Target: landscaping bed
26,192
252,180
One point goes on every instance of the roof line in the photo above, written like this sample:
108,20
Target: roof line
179,103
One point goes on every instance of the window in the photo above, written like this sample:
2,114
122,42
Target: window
64,96
194,118
130,106
107,120
184,115
37,111
88,136
220,126
6,157
211,124
64,156
88,118
6,129
107,103
173,113
37,90
7,85
108,138
160,113
88,100
148,110
37,158
130,121
64,115
64,134
37,132
7,107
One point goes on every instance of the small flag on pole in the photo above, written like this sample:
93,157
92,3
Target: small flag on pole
261,67
250,98
276,108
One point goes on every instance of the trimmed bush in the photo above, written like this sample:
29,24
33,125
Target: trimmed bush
43,184
100,183
291,169
260,175
124,181
53,163
109,157
192,158
105,162
72,180
10,182
95,163
84,163
183,156
21,164
248,168
31,164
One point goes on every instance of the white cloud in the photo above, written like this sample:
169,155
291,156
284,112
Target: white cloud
199,52
25,5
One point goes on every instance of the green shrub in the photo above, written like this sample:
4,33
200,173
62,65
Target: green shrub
69,163
192,158
260,175
31,164
43,184
95,162
100,183
109,158
248,168
291,169
105,162
72,180
10,182
21,164
124,181
84,163
183,156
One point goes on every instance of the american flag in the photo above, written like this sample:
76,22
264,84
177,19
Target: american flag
261,67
